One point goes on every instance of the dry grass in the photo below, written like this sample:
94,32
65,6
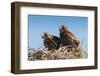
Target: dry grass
61,53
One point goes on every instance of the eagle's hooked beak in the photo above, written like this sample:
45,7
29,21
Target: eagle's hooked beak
42,36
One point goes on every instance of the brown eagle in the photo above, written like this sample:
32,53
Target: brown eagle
67,37
51,42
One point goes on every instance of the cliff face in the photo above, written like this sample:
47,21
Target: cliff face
62,53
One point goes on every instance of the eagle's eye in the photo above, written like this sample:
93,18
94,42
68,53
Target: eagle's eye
45,35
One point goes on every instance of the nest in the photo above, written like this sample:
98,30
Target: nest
62,53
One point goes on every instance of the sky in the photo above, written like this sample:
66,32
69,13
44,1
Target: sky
38,24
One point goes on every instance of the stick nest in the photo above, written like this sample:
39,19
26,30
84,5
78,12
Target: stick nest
62,53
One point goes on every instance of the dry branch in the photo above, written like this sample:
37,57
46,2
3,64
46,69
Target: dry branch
62,53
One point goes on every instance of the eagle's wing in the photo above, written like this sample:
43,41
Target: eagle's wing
71,35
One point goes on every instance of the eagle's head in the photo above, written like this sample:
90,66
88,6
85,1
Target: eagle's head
63,28
46,36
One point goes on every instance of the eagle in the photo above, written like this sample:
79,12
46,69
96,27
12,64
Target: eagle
51,42
67,37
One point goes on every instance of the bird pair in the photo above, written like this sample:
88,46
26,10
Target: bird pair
65,38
